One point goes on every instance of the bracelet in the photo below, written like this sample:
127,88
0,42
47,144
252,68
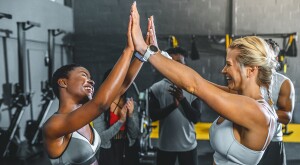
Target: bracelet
140,57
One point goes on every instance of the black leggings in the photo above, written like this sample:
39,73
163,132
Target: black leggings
184,158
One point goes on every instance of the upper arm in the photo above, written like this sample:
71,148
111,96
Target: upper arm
52,127
239,109
224,88
62,124
286,98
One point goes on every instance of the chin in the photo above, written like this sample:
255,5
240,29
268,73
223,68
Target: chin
85,99
90,97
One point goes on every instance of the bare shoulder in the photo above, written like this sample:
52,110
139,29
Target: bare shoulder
52,124
268,113
54,142
287,85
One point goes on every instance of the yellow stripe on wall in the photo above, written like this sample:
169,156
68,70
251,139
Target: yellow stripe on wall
202,132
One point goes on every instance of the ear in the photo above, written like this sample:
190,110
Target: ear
62,82
252,71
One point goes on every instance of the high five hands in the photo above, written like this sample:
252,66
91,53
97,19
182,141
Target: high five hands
139,43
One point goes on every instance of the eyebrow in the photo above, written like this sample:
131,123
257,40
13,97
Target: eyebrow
86,74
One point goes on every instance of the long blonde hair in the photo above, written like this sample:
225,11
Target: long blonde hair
254,51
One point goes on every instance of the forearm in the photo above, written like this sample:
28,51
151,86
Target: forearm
133,126
187,81
220,101
133,70
192,113
109,133
110,88
158,114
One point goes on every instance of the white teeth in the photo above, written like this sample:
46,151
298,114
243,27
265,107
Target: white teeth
228,78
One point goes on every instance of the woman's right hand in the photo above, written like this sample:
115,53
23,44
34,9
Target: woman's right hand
123,114
130,45
152,33
137,36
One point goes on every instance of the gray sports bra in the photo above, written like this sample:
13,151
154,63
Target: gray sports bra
79,151
228,151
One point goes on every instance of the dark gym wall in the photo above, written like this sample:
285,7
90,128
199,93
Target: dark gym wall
51,16
100,28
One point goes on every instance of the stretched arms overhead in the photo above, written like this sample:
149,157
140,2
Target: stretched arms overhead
63,124
226,104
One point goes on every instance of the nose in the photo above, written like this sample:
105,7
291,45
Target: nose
224,70
91,82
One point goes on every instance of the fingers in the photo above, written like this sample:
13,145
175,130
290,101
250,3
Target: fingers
136,32
147,40
175,88
130,104
176,92
123,112
129,26
152,24
134,13
129,36
153,39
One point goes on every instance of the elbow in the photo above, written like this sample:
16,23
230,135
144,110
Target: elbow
191,86
103,103
287,120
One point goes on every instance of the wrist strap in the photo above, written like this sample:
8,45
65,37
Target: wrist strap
166,54
140,57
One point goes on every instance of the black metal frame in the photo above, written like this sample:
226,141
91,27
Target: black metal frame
47,93
5,15
21,97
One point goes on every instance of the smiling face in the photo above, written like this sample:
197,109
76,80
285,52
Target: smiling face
235,74
80,85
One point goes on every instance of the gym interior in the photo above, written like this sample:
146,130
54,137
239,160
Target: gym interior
39,36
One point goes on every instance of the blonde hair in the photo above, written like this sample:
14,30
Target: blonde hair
254,51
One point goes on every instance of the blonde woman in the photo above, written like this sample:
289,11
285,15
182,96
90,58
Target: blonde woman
247,122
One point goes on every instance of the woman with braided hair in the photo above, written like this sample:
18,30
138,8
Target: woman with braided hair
247,122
